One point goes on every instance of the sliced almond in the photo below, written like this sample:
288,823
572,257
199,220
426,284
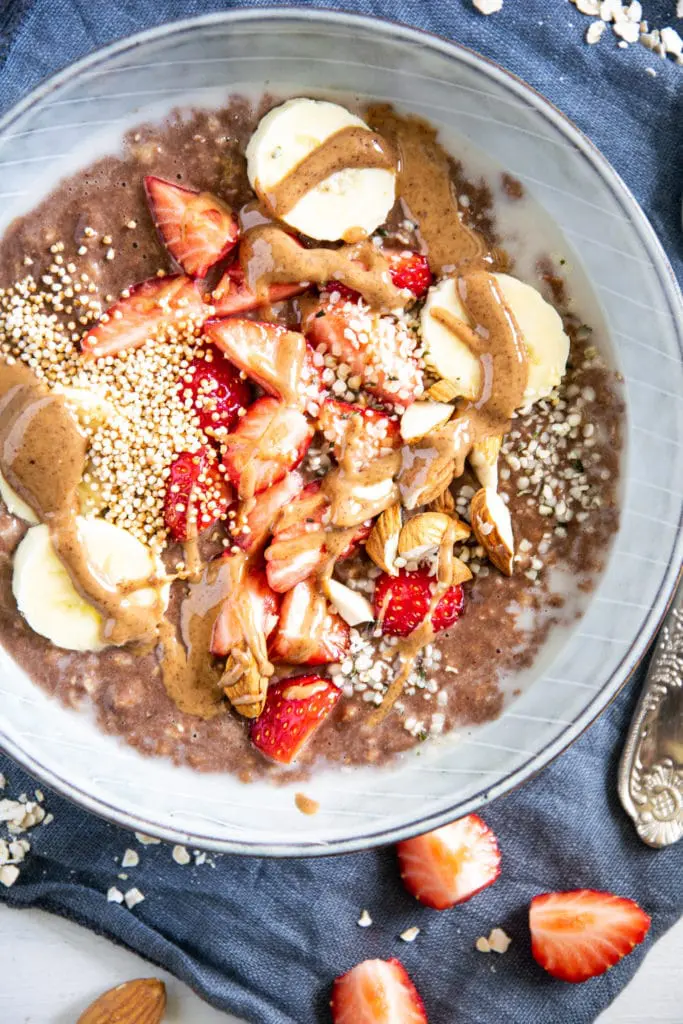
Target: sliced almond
382,544
443,391
243,683
422,534
484,460
492,527
444,502
353,607
142,1001
357,496
421,418
461,572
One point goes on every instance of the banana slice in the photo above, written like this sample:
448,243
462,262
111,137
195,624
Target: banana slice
47,598
90,408
540,324
350,199
16,506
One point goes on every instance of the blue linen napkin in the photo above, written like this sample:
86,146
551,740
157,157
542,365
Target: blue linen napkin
263,938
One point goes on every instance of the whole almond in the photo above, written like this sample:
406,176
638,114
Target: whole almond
142,1001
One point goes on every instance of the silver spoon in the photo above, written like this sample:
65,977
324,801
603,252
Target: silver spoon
651,769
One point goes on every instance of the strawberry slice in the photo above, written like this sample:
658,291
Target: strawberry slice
409,270
232,295
375,435
151,311
377,992
269,441
309,631
294,709
402,601
265,610
276,359
197,228
450,864
197,494
216,390
255,517
298,548
378,349
579,934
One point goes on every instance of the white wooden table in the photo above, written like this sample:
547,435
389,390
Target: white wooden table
51,969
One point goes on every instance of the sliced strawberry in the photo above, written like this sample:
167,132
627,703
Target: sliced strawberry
375,435
378,350
276,359
232,295
450,864
377,992
197,228
298,548
264,613
409,270
197,494
294,709
216,391
402,601
579,934
148,313
269,441
255,517
309,631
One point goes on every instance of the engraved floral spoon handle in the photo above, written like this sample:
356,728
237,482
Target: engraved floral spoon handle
651,770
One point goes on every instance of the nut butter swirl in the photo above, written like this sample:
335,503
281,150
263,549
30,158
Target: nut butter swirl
42,456
351,148
425,187
269,255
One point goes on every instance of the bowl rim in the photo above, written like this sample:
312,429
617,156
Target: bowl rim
667,279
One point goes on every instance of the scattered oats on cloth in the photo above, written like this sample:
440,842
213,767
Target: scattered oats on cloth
488,6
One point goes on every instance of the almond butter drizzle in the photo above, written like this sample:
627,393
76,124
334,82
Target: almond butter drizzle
350,148
425,186
42,456
269,255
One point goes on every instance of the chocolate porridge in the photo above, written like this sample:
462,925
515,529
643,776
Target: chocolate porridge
345,455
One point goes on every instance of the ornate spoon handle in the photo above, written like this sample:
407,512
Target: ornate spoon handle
651,770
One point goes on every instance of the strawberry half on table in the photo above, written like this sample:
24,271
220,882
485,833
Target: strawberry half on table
149,312
197,228
309,631
450,864
402,602
216,390
579,934
294,709
377,992
276,359
269,441
197,494
232,295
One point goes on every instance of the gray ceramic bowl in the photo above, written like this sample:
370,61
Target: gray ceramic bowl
622,285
